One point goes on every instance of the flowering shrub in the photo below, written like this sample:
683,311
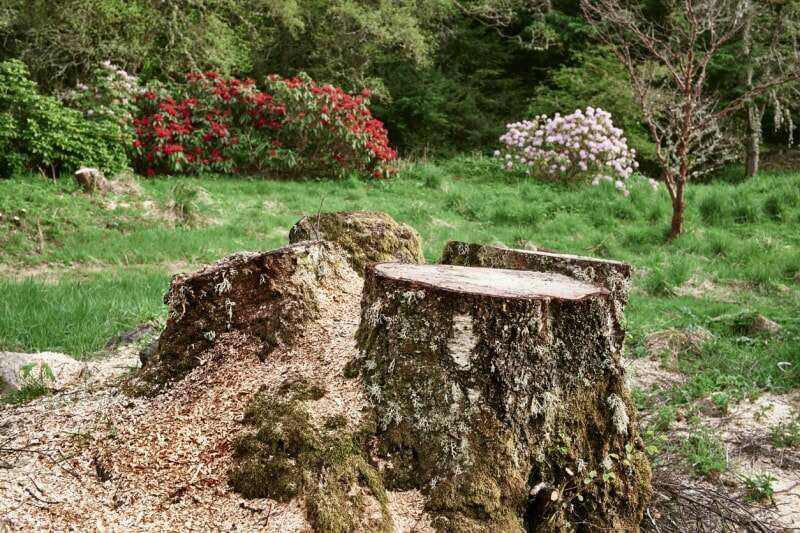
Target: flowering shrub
569,148
293,125
110,95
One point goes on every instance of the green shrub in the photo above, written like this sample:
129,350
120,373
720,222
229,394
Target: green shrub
38,133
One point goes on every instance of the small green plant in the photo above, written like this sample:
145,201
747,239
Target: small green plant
664,417
722,401
33,383
189,201
787,434
705,453
760,487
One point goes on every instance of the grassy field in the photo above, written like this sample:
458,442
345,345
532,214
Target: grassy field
75,270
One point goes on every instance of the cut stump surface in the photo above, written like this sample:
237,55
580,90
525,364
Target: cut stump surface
500,283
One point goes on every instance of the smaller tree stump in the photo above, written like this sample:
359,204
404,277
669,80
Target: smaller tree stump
500,394
611,275
91,180
366,236
266,294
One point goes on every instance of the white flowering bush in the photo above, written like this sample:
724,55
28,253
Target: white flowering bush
582,145
110,95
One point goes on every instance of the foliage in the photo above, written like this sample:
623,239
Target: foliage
760,487
569,148
293,126
705,453
787,434
110,96
38,132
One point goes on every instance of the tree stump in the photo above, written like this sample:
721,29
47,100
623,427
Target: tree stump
267,294
499,393
611,275
91,180
366,236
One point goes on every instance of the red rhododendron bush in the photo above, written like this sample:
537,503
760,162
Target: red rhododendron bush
291,126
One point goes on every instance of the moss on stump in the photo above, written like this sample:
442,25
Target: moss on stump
366,236
611,275
287,456
267,294
500,394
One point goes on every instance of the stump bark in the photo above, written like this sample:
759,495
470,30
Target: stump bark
499,393
91,180
266,294
611,275
366,236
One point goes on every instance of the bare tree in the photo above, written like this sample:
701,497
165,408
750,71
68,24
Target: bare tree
667,59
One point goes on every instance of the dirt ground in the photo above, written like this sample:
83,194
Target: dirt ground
91,457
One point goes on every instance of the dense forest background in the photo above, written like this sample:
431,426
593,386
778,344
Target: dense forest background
446,75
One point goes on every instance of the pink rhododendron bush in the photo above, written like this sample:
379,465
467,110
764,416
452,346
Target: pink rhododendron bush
289,126
581,146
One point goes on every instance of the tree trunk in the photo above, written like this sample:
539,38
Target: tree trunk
753,141
678,208
366,236
500,394
270,295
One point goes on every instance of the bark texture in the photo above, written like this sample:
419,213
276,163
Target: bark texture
611,275
266,294
366,236
91,180
500,395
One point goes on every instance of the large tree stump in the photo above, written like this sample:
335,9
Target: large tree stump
366,236
267,294
611,275
500,394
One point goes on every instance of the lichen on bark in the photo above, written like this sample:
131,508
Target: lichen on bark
505,411
366,236
267,294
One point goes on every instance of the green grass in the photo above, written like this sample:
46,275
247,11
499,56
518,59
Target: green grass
112,266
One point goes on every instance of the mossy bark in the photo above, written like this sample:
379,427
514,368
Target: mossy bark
611,275
503,402
366,236
268,294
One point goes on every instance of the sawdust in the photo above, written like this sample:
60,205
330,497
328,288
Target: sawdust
92,458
